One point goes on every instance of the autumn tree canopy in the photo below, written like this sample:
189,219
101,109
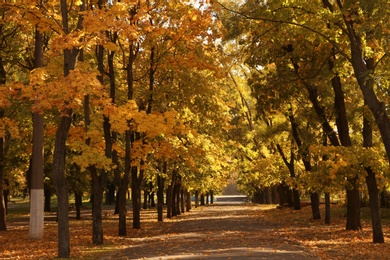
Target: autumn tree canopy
182,95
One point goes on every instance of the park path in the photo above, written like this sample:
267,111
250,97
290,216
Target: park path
218,231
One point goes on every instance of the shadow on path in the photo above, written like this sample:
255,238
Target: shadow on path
219,231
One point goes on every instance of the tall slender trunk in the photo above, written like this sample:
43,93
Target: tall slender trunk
353,194
174,200
62,185
188,201
202,199
169,201
122,206
146,196
99,180
353,207
97,206
3,220
327,208
290,165
196,198
314,197
170,195
37,169
373,190
182,199
48,193
136,195
78,203
160,196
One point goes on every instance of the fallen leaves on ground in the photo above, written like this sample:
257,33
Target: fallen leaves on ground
326,241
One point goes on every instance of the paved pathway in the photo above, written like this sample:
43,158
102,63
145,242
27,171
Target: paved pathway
219,231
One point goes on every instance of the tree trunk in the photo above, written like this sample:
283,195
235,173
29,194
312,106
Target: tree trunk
289,197
47,193
37,170
116,210
110,194
211,197
78,203
376,222
314,198
62,185
315,205
122,207
188,201
146,197
297,199
294,200
182,199
97,206
160,195
327,208
152,201
3,222
267,195
372,186
202,200
275,195
3,210
136,195
59,155
196,198
174,200
169,201
353,208
282,195
170,195
178,200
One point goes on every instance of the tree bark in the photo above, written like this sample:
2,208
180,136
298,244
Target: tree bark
327,208
182,201
136,180
3,222
78,203
353,208
59,155
174,200
315,205
196,198
160,195
353,196
37,170
62,185
373,190
122,207
296,201
98,182
146,196
188,201
48,194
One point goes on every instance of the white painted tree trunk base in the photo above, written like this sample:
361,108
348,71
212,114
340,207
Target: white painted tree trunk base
36,214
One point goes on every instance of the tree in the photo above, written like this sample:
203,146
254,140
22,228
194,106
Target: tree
323,30
37,171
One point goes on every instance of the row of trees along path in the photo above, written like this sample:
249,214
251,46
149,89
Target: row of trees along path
183,94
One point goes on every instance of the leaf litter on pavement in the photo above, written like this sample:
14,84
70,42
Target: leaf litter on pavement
268,225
